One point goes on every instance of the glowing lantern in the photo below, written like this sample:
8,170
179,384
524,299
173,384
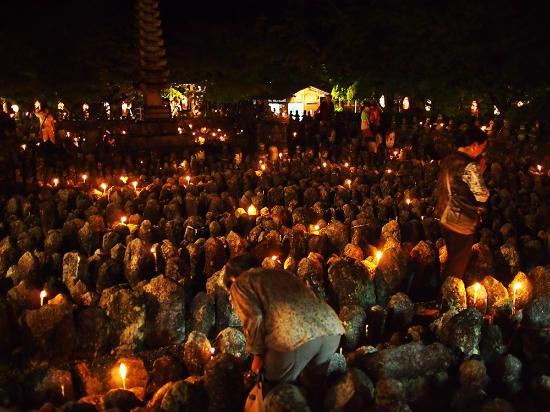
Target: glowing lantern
252,211
180,130
201,140
346,164
406,103
274,258
122,370
43,295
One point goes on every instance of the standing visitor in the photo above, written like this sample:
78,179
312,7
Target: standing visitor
461,196
287,327
47,124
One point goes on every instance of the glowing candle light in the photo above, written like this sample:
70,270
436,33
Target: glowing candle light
378,256
280,155
154,252
123,370
324,164
389,171
180,130
408,201
516,286
188,178
539,168
124,179
294,134
23,146
55,181
104,187
263,167
348,183
477,286
346,164
274,258
123,220
43,295
84,177
252,211
134,184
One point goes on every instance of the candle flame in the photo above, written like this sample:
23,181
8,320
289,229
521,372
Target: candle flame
23,146
188,178
153,250
134,183
123,219
348,182
517,285
84,177
123,370
408,201
477,287
346,164
324,164
212,350
316,227
262,167
124,179
378,255
274,258
539,168
55,181
103,186
252,211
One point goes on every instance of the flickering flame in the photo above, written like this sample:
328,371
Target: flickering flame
153,251
180,130
262,167
274,258
294,134
84,177
201,140
104,187
408,201
252,211
124,132
280,155
324,164
123,371
477,286
517,285
124,179
123,220
212,351
378,255
389,171
55,181
23,146
484,128
188,178
348,183
346,164
539,167
43,294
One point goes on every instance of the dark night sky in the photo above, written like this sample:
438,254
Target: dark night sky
66,44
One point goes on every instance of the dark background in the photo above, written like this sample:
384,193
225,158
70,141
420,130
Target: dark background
496,51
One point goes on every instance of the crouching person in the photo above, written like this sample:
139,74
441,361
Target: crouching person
287,328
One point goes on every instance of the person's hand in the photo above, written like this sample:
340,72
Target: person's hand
257,364
483,165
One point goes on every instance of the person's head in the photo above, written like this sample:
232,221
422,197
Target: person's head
237,265
473,142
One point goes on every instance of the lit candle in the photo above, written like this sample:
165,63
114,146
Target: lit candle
539,168
315,229
408,201
84,177
389,171
324,164
123,220
280,155
55,181
23,146
252,211
348,183
123,371
517,285
212,351
134,184
124,179
263,167
180,130
188,178
477,286
154,252
378,256
43,295
104,187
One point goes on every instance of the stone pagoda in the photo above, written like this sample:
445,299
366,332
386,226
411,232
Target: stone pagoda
153,69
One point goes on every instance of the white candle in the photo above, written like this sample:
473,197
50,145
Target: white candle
123,371
43,295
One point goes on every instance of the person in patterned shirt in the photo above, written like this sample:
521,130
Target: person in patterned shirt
288,329
463,172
